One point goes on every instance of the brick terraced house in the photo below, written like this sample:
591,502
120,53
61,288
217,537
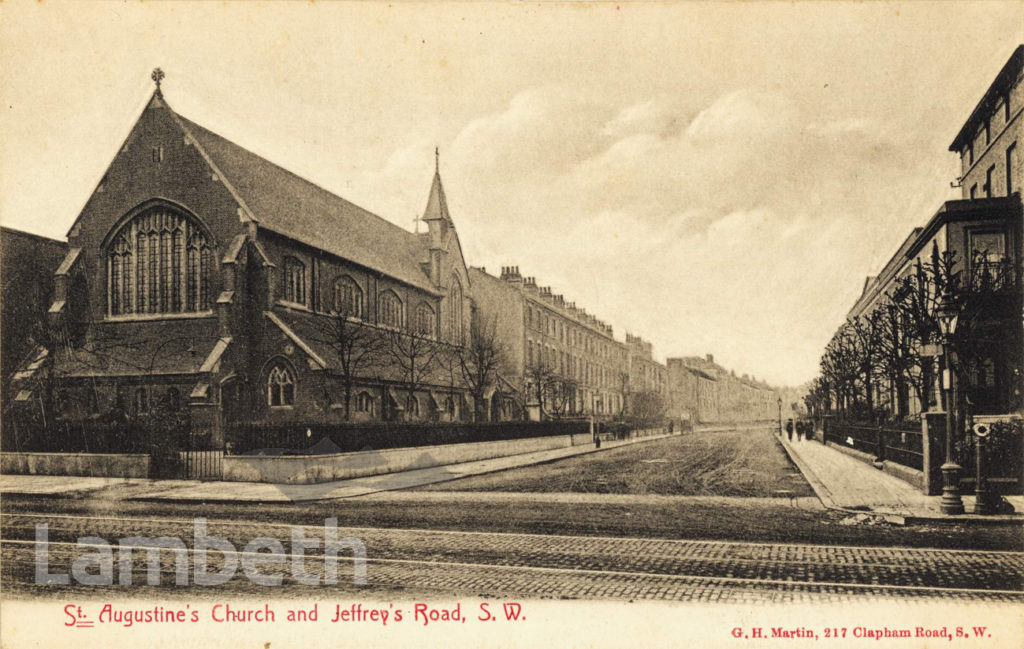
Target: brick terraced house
562,361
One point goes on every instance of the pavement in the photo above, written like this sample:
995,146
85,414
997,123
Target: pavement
839,481
845,483
224,491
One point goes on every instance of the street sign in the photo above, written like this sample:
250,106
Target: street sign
931,349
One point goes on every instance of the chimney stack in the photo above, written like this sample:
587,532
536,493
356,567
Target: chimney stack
511,274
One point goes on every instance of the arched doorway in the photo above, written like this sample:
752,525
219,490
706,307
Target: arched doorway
232,401
496,403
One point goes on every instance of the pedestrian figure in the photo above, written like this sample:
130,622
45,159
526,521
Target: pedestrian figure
789,429
800,430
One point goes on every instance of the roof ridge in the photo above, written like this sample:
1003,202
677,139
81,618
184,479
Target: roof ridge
19,231
243,205
320,188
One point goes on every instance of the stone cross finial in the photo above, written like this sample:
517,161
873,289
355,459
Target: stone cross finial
157,77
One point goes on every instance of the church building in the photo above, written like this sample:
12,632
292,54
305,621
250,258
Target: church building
200,278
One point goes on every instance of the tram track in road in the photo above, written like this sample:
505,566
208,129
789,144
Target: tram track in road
448,578
680,566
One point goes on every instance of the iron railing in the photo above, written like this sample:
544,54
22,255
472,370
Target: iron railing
899,445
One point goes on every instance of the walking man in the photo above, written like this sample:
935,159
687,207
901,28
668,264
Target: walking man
789,429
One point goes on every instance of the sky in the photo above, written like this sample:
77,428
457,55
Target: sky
714,177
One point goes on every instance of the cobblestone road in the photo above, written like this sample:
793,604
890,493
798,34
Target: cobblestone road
491,564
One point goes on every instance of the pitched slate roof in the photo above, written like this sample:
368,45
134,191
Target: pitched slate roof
314,332
134,348
700,373
287,204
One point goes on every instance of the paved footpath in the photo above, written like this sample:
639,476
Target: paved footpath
222,491
843,482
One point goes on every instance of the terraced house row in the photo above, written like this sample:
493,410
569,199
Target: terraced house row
971,246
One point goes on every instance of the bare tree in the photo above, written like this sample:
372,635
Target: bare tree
449,361
415,357
916,297
539,378
865,336
897,355
562,395
481,361
357,345
887,343
647,406
624,391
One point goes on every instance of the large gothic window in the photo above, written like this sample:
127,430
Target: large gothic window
348,297
455,310
280,386
390,310
159,262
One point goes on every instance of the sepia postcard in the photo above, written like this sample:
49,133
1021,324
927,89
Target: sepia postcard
508,324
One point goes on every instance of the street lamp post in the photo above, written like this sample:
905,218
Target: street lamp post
947,314
780,415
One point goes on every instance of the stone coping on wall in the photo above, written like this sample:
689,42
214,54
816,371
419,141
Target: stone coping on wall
100,465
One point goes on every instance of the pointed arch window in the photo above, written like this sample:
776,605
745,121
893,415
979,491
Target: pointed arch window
294,278
364,403
280,386
455,310
425,321
348,297
390,310
159,262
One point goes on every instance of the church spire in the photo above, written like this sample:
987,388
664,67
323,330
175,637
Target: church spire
437,204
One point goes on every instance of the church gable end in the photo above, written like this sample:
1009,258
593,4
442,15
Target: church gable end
157,165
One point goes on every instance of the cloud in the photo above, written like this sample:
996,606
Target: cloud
543,130
648,116
839,128
741,228
743,114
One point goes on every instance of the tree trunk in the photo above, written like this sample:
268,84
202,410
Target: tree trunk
348,398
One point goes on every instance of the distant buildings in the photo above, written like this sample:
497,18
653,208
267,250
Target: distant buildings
569,364
701,391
